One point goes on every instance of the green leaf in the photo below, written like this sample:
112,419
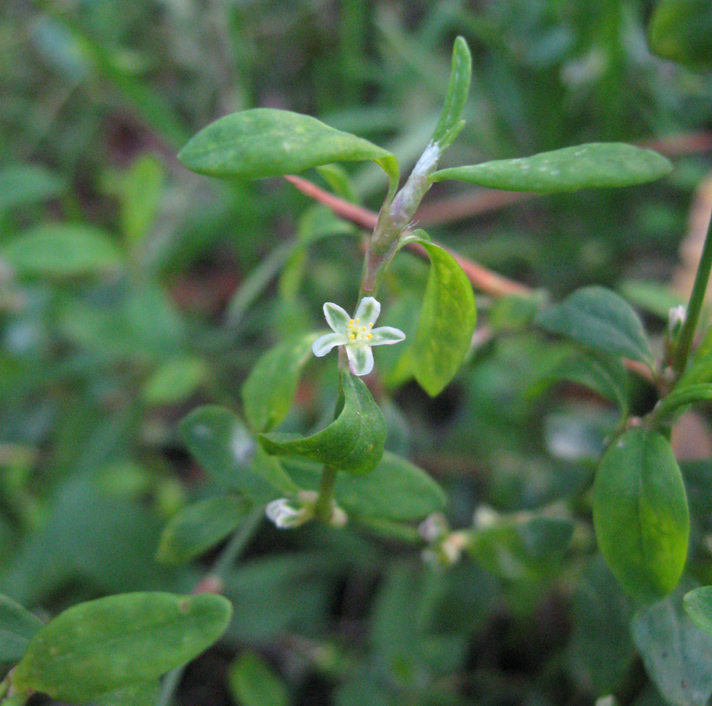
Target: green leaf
680,31
270,387
680,398
200,526
141,192
594,165
447,321
254,683
522,548
599,318
640,514
224,447
62,250
396,490
676,654
353,442
114,642
604,375
698,606
17,627
450,124
265,142
27,184
142,694
175,381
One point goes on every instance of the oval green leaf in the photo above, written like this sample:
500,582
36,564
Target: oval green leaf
588,166
353,442
200,526
680,30
270,387
449,125
17,627
447,321
265,142
62,250
698,606
226,450
599,318
114,642
640,514
26,184
175,381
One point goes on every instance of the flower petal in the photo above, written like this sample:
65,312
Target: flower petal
323,345
336,317
386,336
368,311
360,359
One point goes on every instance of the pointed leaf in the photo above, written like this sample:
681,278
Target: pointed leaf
224,447
640,514
353,442
582,167
62,250
446,324
265,142
269,389
676,654
17,627
599,318
114,642
680,31
680,398
460,74
254,683
200,526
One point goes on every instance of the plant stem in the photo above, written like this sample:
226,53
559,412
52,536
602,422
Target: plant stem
697,298
232,551
325,500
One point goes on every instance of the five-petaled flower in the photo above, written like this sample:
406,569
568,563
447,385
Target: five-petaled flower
357,334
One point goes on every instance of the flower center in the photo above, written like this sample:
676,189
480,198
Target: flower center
359,333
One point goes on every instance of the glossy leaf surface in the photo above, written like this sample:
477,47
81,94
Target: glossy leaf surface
265,142
588,166
640,514
200,526
114,642
353,442
447,321
599,318
269,389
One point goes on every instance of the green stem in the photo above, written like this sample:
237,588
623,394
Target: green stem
682,352
325,500
228,556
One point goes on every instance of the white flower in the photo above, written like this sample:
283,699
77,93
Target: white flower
287,513
357,334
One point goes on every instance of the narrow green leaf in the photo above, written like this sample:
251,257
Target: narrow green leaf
449,124
253,683
676,654
681,398
698,606
270,387
353,442
27,184
62,250
17,627
199,527
680,30
114,642
589,166
141,192
447,321
175,381
599,318
396,490
221,443
640,514
265,142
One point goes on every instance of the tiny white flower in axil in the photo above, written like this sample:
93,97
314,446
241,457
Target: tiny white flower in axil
357,334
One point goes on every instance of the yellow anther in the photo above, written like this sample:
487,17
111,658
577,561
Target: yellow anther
363,328
351,321
357,320
353,336
370,336
370,325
